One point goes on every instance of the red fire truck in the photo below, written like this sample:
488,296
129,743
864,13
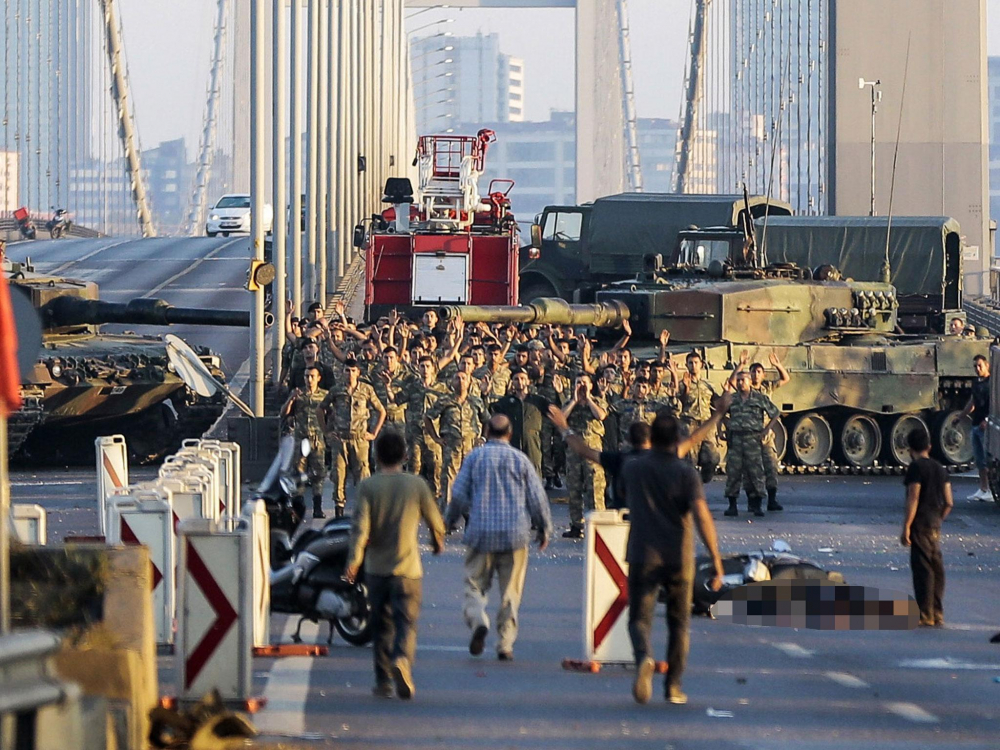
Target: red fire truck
447,244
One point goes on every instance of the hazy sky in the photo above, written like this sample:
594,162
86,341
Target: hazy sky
169,44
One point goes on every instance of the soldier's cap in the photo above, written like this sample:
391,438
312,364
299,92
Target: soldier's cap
532,327
970,328
535,345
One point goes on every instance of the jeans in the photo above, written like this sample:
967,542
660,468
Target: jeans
643,589
395,607
928,573
979,446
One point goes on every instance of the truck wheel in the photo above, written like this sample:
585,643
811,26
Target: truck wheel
534,290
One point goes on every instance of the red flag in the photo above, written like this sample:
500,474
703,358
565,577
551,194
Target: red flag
10,378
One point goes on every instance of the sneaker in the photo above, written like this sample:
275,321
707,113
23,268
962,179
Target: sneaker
642,688
985,496
505,656
478,640
675,696
573,532
403,678
382,691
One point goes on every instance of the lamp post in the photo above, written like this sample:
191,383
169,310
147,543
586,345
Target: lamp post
876,98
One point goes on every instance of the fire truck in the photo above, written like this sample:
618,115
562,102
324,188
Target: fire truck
447,244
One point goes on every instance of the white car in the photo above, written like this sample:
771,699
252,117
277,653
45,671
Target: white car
231,215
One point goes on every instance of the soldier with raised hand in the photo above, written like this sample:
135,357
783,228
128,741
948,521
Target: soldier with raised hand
460,428
347,410
304,408
389,380
585,413
759,382
635,408
494,376
420,393
696,395
746,432
549,385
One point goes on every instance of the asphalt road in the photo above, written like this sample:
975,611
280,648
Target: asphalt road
794,689
185,271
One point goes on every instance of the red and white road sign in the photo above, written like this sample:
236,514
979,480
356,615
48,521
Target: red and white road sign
112,473
255,520
215,627
150,523
605,616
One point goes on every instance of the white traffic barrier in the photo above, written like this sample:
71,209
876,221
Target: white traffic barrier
255,520
216,461
192,493
215,625
231,454
200,478
112,473
145,517
605,588
29,523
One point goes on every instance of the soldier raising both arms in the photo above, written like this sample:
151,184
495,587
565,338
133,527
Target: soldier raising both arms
585,413
746,432
696,395
461,426
304,409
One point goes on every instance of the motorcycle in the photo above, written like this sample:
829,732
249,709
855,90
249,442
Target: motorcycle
59,224
24,223
307,572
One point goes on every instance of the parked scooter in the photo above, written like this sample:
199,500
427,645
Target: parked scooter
59,224
24,223
280,489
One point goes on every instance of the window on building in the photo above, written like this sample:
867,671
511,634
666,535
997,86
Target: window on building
170,174
514,96
563,227
531,151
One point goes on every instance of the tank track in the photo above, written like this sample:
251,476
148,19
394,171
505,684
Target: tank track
21,423
831,469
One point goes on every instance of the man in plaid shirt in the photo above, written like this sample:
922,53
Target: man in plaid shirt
500,492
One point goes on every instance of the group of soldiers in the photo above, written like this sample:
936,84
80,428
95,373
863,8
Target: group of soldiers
439,383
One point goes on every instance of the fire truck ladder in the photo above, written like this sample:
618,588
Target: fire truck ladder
450,167
210,123
628,100
126,124
692,101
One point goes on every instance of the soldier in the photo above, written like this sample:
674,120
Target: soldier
388,381
770,454
585,413
550,385
696,395
347,409
526,412
310,358
635,408
746,432
420,393
304,409
461,427
494,376
662,392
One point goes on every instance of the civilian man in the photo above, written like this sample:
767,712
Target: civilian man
978,409
384,532
526,413
502,495
664,493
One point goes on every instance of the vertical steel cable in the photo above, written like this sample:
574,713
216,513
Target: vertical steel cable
39,88
25,153
821,130
6,106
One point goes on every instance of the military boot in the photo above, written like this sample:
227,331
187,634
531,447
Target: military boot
731,510
318,507
754,503
338,512
772,501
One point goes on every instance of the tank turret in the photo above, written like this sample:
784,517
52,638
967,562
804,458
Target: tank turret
605,314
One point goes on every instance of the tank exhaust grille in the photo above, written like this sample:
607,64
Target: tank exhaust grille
879,362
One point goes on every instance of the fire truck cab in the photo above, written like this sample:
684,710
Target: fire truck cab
447,244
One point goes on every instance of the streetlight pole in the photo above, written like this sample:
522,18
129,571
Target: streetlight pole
312,147
876,98
295,187
322,103
329,240
279,228
257,96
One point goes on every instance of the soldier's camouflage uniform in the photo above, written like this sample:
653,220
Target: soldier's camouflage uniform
585,480
768,451
424,455
629,410
461,422
347,417
553,447
307,426
696,409
743,459
395,407
499,382
665,397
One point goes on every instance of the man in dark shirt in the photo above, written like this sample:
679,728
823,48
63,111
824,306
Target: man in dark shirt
665,494
310,358
978,409
928,503
526,413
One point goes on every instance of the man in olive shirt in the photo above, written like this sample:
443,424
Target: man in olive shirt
384,532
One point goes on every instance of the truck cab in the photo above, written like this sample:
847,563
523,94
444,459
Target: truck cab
556,261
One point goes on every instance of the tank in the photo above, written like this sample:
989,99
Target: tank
858,385
88,383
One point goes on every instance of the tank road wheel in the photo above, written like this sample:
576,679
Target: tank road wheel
860,441
896,451
952,437
812,440
780,439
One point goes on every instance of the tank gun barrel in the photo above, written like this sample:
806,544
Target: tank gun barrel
68,311
606,314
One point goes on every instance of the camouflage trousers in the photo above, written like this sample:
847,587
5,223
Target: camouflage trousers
553,451
705,455
347,456
744,464
424,457
313,465
452,454
586,487
770,456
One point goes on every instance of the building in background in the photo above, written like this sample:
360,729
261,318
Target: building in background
993,97
168,178
464,80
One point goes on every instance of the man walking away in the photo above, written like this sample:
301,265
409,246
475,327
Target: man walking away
664,492
928,503
384,532
503,496
979,409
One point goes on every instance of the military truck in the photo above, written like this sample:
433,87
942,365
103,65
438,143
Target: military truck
576,249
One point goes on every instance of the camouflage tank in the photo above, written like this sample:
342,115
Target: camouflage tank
858,384
88,383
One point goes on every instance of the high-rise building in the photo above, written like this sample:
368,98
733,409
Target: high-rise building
994,131
464,80
168,178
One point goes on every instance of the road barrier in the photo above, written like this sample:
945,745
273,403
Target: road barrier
112,473
29,523
215,628
228,457
254,519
